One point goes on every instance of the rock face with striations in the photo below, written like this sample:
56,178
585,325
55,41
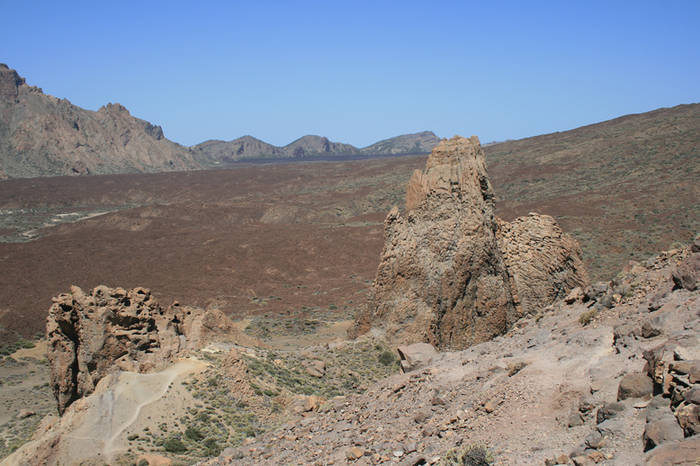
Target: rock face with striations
90,334
543,262
454,275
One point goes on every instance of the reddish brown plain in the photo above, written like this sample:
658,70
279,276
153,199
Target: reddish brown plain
295,238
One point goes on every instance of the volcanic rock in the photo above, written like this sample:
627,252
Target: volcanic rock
687,273
683,453
451,273
635,386
442,278
90,334
662,430
544,263
416,356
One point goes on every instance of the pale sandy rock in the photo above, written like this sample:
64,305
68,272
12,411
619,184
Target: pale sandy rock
91,334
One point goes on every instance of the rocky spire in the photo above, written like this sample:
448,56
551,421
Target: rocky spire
444,276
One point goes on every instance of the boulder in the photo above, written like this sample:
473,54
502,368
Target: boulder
635,386
688,418
416,356
687,273
683,453
608,411
154,460
693,396
662,430
315,368
575,295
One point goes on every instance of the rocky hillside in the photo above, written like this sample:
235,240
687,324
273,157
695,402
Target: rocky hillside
416,143
41,135
215,152
624,188
608,376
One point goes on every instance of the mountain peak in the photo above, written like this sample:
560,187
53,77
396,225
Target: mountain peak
10,81
414,143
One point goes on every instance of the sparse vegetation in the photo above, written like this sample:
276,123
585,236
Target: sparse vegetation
174,445
587,316
471,455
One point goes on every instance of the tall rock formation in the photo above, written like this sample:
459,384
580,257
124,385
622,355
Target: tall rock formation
454,275
442,278
41,135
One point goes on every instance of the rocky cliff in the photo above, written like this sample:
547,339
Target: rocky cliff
454,275
41,135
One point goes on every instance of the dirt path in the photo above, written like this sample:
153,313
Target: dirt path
97,432
149,388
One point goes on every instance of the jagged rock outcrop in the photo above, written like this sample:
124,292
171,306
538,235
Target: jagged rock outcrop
90,334
442,278
451,273
41,135
543,262
9,83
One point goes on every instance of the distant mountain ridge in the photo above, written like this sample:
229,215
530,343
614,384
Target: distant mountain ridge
41,135
247,147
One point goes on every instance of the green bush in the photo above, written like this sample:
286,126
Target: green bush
174,445
212,447
586,317
386,357
193,434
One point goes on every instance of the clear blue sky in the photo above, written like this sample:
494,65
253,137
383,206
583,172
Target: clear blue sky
359,71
